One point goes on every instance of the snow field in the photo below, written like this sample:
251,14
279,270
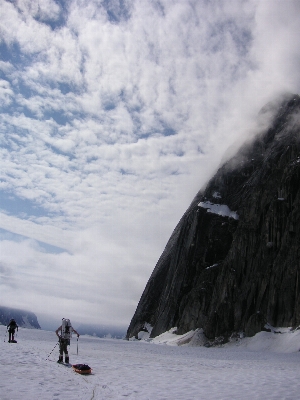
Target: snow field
266,366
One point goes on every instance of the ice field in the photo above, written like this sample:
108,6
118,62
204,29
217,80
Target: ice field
266,366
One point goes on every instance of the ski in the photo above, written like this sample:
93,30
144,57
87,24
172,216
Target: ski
65,364
60,363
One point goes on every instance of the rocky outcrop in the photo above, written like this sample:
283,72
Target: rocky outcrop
24,319
232,262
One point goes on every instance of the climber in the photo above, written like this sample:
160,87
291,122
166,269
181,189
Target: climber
66,330
12,326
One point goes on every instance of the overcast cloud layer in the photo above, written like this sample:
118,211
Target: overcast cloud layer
114,113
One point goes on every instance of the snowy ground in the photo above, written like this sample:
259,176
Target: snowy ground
266,366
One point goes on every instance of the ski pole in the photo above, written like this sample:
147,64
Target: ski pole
51,351
77,345
5,335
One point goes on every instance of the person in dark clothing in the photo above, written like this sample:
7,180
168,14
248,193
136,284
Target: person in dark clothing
12,326
64,337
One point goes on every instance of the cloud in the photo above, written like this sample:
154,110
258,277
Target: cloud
114,114
42,10
81,280
5,93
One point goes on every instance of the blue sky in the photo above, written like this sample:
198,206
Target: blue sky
113,115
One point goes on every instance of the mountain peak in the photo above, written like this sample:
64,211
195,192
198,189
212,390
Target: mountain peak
24,319
232,262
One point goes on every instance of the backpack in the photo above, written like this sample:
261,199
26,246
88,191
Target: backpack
66,329
12,324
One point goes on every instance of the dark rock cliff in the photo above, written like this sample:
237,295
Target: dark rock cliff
24,319
232,262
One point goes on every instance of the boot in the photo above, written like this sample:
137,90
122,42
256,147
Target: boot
67,359
60,359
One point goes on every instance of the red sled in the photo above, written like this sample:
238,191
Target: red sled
82,369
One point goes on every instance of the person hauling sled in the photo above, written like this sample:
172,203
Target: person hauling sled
66,330
12,326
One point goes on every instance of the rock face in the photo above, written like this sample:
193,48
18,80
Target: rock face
24,319
233,261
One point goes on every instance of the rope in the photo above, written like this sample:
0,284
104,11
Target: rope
51,351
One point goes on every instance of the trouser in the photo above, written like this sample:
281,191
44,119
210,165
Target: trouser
63,348
11,335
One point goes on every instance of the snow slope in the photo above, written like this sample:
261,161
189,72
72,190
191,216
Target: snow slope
266,366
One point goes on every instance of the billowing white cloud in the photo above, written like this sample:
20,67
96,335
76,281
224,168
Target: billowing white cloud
114,114
43,10
6,93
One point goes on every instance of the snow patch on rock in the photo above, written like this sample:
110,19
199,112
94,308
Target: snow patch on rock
219,209
26,323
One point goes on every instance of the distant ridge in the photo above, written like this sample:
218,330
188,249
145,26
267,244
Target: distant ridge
102,331
24,319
